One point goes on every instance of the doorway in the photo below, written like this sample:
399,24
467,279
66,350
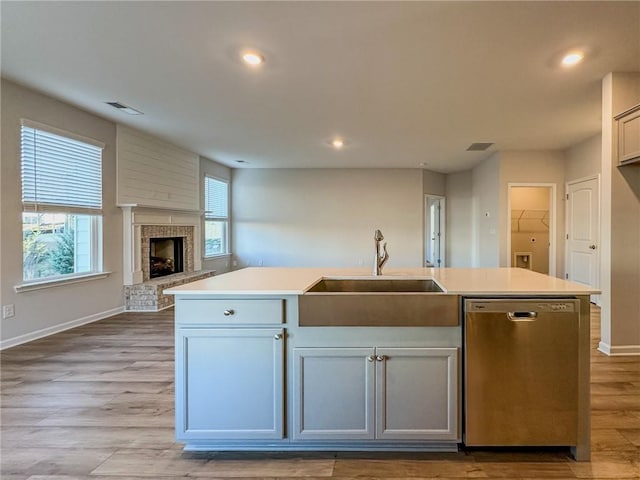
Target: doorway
435,231
583,233
531,239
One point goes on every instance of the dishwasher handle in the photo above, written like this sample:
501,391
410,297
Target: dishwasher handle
522,316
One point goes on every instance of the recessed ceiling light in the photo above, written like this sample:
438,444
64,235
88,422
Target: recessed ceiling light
252,58
572,58
241,161
337,143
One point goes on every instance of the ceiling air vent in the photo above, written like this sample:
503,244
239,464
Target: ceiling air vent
125,108
479,146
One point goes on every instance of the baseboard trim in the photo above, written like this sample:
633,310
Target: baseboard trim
620,350
45,332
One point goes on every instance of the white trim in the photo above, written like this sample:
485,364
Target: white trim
63,133
553,208
153,207
619,350
443,228
218,255
227,218
134,217
28,337
59,282
134,310
597,299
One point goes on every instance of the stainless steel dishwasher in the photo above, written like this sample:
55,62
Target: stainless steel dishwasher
521,372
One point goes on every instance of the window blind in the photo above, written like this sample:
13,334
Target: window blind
60,173
216,198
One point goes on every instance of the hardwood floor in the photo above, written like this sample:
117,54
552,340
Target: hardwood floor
96,402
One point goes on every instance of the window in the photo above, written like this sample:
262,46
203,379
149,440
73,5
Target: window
216,217
61,203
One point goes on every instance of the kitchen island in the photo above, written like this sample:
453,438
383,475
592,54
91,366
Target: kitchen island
265,361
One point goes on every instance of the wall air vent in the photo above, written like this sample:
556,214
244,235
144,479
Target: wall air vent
479,147
125,108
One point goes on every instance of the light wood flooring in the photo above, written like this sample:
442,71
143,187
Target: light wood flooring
96,402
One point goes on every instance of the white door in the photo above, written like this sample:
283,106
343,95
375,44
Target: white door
583,232
435,217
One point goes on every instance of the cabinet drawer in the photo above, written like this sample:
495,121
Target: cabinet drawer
232,311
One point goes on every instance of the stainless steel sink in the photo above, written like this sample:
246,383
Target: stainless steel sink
377,302
383,285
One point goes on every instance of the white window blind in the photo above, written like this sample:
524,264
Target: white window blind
60,173
216,198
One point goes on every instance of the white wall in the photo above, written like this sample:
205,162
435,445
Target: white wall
326,217
459,200
477,206
209,167
485,212
433,183
538,166
620,225
43,311
154,173
584,159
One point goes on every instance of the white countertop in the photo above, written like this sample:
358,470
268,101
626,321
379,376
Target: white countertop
463,281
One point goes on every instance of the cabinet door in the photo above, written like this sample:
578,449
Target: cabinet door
229,383
629,136
417,393
333,393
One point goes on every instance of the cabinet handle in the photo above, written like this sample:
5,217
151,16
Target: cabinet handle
592,247
228,313
381,358
371,358
278,336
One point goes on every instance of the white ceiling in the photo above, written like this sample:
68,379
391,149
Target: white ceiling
405,82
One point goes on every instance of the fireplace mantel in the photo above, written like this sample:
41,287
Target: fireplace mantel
137,216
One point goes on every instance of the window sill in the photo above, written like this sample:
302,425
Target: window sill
58,282
220,255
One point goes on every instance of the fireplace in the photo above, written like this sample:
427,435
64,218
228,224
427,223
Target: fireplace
144,226
166,256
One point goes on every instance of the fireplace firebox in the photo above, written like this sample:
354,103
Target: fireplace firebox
166,256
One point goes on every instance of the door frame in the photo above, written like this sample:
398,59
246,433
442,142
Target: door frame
443,225
552,225
594,298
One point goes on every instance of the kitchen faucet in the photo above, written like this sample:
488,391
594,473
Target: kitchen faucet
381,258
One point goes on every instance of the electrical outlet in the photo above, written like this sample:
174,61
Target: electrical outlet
8,311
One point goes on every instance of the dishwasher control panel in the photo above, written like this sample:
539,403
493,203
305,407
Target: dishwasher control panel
522,305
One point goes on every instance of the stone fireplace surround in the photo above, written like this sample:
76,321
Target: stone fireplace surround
139,225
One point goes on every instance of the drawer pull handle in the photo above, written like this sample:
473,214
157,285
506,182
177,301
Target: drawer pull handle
278,336
228,313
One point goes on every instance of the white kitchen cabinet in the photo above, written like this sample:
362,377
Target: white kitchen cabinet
229,383
375,394
628,124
